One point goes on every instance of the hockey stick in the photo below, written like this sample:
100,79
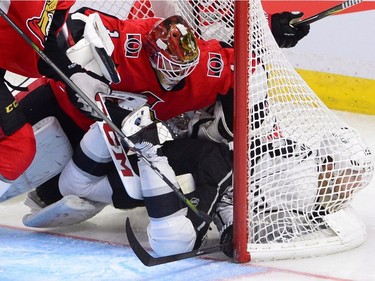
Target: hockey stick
149,260
328,12
103,116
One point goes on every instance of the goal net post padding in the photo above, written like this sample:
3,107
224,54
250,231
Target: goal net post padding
297,166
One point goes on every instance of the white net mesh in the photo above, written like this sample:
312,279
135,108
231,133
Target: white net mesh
119,8
306,164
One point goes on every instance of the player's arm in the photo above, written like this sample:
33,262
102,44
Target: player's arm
89,82
54,52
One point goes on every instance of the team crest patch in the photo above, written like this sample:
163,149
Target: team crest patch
215,65
133,45
39,26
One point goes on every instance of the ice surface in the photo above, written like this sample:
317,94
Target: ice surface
97,249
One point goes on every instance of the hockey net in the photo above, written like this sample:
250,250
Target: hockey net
297,166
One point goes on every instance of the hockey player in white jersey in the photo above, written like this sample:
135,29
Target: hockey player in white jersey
290,181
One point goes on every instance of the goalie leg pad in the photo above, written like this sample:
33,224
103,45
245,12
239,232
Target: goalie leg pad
67,211
4,186
50,140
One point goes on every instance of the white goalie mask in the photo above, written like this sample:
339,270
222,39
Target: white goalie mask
172,49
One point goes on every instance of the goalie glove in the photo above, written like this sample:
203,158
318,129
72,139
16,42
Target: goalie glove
137,120
286,35
94,51
90,84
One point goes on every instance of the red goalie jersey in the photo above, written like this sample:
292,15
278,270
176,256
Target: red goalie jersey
212,76
34,19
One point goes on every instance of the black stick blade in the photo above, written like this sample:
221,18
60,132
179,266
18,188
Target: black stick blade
149,260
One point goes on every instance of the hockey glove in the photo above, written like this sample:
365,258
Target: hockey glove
137,121
286,35
140,127
90,84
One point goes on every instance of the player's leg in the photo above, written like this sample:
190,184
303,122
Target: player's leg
211,166
88,183
169,231
55,133
41,103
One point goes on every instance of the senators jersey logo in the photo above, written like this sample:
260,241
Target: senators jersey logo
215,65
40,26
133,45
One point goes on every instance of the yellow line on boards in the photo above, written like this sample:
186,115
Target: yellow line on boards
341,92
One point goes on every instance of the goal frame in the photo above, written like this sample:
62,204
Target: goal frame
241,129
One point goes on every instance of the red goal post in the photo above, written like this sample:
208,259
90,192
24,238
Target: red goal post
297,166
241,132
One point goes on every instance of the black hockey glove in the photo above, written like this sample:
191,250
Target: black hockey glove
286,35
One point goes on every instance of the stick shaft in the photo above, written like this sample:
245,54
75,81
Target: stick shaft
328,12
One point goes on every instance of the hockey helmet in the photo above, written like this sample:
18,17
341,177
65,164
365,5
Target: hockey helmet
349,155
172,49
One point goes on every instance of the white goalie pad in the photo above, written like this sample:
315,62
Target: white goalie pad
67,211
4,186
119,155
73,210
129,178
53,151
94,51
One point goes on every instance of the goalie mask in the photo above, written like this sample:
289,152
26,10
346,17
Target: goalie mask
172,50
